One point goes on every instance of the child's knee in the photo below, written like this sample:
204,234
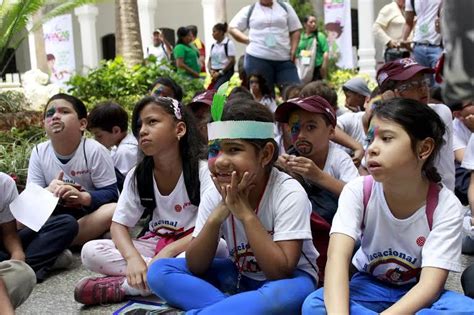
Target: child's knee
93,254
314,303
66,224
162,268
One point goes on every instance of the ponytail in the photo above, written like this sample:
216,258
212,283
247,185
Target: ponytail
431,173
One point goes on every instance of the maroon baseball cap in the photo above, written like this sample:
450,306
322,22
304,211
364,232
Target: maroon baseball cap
314,104
202,98
400,70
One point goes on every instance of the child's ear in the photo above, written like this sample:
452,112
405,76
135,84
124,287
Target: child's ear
425,148
180,129
83,124
116,130
332,132
457,114
267,153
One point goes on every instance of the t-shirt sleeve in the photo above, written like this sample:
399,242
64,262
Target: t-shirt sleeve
293,211
294,23
346,167
179,51
129,209
209,200
239,21
35,171
125,157
443,244
231,49
323,42
468,160
458,139
204,177
345,122
348,217
103,173
408,6
9,193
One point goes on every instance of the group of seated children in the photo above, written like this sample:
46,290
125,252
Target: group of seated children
236,231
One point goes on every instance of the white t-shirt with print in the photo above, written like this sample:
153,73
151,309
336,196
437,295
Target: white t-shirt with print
351,123
394,249
468,160
444,163
269,30
426,13
97,172
461,135
8,193
219,59
339,164
284,212
125,155
173,214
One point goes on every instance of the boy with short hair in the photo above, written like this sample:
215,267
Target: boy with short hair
407,79
357,92
79,171
108,122
325,169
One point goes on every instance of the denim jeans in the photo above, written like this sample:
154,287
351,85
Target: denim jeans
171,280
43,247
274,72
427,56
370,296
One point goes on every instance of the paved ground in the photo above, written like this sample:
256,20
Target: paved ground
55,295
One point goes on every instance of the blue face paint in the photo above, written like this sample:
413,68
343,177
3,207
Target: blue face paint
295,126
50,112
214,150
371,134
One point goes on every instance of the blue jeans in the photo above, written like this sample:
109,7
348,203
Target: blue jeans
43,247
370,296
172,281
274,72
427,56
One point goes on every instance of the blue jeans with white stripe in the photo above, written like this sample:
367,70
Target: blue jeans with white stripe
172,281
370,296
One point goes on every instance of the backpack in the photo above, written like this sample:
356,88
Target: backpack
249,13
226,49
431,200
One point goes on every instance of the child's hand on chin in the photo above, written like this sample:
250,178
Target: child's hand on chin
236,196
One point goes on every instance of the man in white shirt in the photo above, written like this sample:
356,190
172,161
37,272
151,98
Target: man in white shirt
161,49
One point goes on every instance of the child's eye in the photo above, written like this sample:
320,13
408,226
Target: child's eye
233,150
387,139
310,127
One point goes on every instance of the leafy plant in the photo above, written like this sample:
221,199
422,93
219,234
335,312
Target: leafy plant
302,8
13,102
340,76
113,79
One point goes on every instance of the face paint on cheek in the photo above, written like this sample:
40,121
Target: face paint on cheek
295,127
371,134
49,115
213,153
56,125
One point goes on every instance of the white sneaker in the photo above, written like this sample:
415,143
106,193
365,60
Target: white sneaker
64,260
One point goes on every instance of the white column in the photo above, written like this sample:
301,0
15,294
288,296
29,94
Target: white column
146,14
87,15
366,39
209,18
32,45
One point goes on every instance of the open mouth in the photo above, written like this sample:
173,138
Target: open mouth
373,166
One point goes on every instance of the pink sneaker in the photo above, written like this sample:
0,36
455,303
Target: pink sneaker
99,290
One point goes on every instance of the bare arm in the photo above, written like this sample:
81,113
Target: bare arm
239,36
408,26
470,193
459,155
11,241
136,266
294,40
180,64
202,249
6,306
423,294
336,279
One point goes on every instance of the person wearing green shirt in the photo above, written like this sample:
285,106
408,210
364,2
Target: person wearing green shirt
306,43
186,54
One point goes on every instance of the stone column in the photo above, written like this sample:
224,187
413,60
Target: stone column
366,39
87,15
214,11
146,14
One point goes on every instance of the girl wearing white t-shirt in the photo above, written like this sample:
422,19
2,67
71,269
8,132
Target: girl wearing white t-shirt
409,226
262,213
222,58
172,175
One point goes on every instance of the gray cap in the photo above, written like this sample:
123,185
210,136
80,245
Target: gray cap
357,85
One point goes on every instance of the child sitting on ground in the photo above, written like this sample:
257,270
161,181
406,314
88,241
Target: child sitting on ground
325,169
108,122
79,171
409,226
357,92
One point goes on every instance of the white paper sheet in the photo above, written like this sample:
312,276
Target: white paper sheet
33,206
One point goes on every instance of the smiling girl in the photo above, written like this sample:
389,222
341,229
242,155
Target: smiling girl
409,226
264,216
172,173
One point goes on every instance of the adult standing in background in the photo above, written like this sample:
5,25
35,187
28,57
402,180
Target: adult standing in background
426,40
199,45
161,49
186,54
388,30
273,36
313,45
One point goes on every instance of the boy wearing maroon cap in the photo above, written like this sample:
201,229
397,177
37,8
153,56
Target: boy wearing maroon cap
324,167
407,79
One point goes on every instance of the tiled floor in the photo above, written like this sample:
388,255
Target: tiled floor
55,295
